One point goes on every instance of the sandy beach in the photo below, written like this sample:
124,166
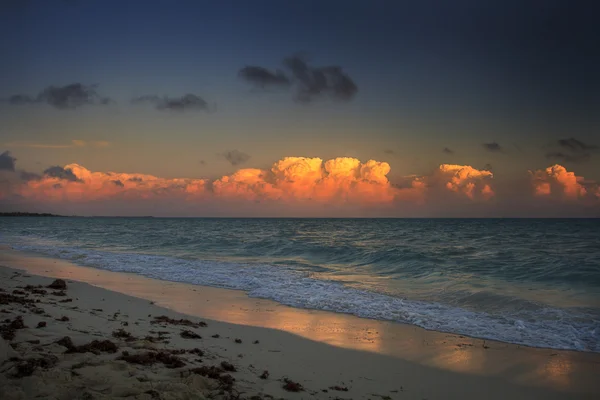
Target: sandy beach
113,335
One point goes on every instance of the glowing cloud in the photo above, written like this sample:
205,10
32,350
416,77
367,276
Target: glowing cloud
302,181
467,180
77,183
556,181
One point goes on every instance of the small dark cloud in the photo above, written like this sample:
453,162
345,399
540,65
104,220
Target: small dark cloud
309,82
312,82
572,150
57,186
493,147
388,151
202,162
29,176
236,157
19,99
64,97
61,173
576,145
488,167
186,102
135,179
262,77
7,162
117,182
448,150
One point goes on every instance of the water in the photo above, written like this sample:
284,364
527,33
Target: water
530,282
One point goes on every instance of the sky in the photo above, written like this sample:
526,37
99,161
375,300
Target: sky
300,108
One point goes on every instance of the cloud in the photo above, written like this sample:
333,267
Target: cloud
389,151
183,103
202,162
466,180
447,150
493,147
74,183
29,176
576,145
555,181
572,150
66,97
312,82
61,173
262,77
309,82
289,182
74,143
236,157
7,162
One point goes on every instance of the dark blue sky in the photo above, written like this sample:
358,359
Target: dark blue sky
430,74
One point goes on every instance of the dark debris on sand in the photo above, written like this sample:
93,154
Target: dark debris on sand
10,298
228,366
339,388
292,386
27,367
151,357
187,334
58,284
9,328
163,319
123,334
95,346
264,375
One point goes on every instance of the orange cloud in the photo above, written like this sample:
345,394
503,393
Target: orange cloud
106,185
339,181
557,181
467,180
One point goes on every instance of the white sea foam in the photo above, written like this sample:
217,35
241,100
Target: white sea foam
299,289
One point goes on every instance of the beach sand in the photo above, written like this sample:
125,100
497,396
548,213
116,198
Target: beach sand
169,340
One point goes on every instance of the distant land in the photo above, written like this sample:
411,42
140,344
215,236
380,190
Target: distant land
27,214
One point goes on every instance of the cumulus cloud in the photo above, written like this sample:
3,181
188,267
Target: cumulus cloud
309,83
555,181
311,182
262,77
7,162
184,103
236,157
493,147
75,183
65,97
572,150
466,180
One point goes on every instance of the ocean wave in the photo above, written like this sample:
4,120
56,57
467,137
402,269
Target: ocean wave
548,327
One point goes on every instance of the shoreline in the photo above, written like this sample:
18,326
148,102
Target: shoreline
341,346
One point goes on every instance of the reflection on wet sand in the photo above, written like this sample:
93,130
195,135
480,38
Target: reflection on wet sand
557,369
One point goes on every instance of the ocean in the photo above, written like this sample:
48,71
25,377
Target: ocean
533,282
